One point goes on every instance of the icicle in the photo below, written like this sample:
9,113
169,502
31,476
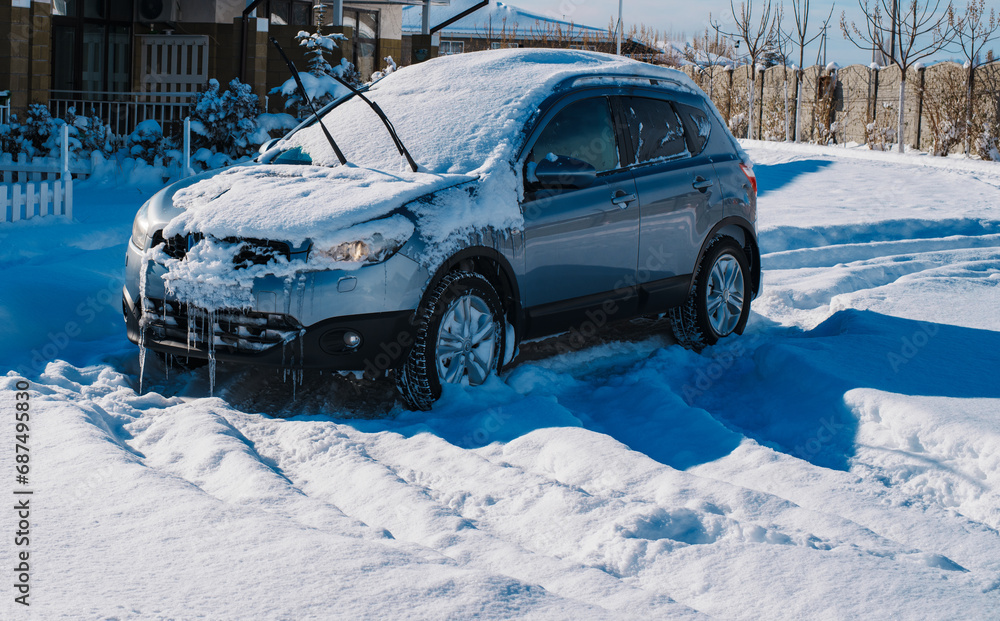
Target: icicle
143,267
210,328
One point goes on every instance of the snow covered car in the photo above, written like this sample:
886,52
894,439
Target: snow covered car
551,190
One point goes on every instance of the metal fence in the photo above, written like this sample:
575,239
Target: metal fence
123,111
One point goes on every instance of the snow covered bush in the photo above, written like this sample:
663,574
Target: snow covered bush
94,135
880,134
226,123
38,132
390,67
318,81
147,143
944,108
987,143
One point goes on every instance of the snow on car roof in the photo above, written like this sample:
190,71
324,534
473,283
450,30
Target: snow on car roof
461,113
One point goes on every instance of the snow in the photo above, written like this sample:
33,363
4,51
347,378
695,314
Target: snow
243,201
839,460
459,114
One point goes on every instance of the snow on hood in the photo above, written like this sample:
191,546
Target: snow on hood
296,203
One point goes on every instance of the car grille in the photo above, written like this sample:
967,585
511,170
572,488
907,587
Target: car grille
234,331
252,252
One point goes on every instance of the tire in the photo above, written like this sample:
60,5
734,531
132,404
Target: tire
719,304
460,339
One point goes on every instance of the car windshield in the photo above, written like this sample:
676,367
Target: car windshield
454,114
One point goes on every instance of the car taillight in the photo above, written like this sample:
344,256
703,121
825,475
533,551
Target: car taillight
752,178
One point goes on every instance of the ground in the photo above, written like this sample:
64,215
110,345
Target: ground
839,460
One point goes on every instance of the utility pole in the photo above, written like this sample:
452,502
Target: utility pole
338,13
620,5
894,20
821,53
426,25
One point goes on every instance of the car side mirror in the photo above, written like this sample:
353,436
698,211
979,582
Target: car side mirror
565,172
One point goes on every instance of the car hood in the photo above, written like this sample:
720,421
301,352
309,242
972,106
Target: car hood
286,202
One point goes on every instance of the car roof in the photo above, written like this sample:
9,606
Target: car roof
464,113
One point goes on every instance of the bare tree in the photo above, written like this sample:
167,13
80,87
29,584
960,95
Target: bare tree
758,32
973,32
800,11
920,32
781,43
706,51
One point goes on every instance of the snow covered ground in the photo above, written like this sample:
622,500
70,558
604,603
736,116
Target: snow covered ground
840,460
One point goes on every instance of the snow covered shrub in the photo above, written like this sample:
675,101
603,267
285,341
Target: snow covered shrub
38,132
226,123
390,67
317,81
94,135
987,143
880,134
147,143
944,108
10,137
825,130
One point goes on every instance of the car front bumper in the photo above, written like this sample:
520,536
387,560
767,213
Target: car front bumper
298,322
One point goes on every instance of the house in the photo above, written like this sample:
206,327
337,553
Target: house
496,25
133,59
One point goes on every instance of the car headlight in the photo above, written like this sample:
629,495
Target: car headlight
371,242
372,250
140,227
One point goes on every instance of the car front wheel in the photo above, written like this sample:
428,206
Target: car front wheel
460,339
719,304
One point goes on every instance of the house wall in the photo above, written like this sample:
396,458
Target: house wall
25,61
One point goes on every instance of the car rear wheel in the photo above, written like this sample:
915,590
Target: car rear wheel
460,339
719,304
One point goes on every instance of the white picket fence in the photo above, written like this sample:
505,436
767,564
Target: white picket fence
37,189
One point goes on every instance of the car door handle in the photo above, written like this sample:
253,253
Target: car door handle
623,198
702,184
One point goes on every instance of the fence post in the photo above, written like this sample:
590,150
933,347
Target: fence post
65,149
922,70
187,148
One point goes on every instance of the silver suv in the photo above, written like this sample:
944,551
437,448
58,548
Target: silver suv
514,194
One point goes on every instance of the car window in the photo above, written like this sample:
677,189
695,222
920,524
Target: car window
657,132
582,130
697,124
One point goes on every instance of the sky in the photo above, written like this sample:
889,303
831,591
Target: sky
692,17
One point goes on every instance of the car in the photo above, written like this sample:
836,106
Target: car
425,225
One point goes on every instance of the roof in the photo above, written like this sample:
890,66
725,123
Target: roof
498,16
457,114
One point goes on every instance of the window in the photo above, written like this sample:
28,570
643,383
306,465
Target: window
496,45
582,130
697,126
367,59
656,130
294,13
91,42
447,48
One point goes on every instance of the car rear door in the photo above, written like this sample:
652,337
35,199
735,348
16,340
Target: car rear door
678,191
581,244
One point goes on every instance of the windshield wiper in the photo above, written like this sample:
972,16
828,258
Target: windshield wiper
385,120
305,97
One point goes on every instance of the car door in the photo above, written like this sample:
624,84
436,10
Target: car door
581,244
678,191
